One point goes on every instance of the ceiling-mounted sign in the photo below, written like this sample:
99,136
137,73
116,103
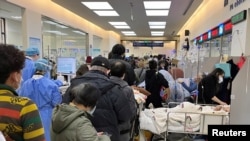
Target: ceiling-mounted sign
239,17
205,37
148,43
209,35
214,32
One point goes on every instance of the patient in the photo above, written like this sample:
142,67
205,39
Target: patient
225,108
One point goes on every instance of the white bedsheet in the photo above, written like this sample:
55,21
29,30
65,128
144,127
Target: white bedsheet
160,120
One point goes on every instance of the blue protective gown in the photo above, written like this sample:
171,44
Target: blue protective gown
45,93
28,70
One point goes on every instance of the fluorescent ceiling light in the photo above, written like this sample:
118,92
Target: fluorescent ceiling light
128,32
122,27
97,5
16,17
156,23
106,13
56,32
157,32
79,32
118,23
157,27
61,26
157,4
50,22
157,12
132,34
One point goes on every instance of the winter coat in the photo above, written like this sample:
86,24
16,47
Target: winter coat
110,110
72,124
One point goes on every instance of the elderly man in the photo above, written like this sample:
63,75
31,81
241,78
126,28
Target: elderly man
112,107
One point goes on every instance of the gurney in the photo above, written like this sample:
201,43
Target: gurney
184,118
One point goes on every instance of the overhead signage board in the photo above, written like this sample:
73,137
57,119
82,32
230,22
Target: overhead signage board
148,44
239,17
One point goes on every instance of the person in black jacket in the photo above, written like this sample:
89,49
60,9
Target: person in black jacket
209,87
154,81
118,53
112,107
117,73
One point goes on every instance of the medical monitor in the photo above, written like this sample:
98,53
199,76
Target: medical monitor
66,65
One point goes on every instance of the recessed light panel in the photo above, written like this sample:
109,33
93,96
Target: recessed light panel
122,26
157,12
97,5
106,13
157,27
152,23
157,4
118,23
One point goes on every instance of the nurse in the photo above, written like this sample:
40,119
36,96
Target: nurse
44,92
32,54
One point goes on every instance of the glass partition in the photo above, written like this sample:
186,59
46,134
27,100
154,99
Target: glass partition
63,41
11,24
215,47
226,44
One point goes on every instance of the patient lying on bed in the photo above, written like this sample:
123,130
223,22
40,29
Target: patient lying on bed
185,117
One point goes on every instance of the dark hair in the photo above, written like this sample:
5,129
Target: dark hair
82,70
85,94
216,72
118,69
152,64
110,55
118,49
11,60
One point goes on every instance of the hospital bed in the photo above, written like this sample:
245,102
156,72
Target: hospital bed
186,118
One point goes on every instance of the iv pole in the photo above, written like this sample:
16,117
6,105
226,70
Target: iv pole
198,68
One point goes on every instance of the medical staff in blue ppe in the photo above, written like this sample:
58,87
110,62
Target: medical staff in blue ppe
32,54
44,92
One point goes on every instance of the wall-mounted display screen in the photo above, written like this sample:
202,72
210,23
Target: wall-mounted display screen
66,65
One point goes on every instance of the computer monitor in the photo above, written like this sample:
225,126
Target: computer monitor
66,65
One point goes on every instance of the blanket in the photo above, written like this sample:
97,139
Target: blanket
186,117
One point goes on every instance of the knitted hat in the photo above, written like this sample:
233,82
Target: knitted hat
100,61
88,59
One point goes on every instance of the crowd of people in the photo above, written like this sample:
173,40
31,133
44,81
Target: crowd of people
99,104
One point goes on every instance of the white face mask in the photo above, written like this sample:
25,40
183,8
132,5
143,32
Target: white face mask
220,79
92,111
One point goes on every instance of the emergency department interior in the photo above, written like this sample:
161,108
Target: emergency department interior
215,31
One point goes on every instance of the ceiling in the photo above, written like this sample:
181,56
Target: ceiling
179,13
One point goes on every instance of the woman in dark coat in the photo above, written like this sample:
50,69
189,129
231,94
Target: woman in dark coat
154,81
209,88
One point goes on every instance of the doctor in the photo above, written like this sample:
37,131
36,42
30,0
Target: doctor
44,92
32,54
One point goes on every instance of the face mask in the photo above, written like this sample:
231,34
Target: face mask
92,111
220,79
